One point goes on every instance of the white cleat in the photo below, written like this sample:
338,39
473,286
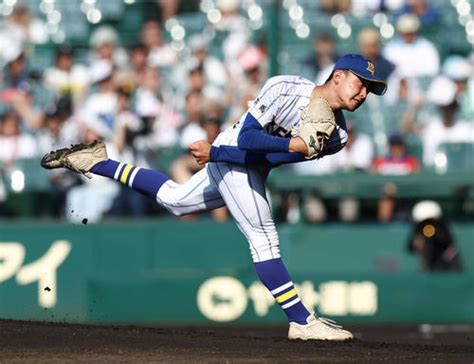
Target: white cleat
318,328
79,158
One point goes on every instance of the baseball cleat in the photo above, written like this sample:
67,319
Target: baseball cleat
79,158
318,328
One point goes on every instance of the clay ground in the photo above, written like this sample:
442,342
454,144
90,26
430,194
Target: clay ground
22,341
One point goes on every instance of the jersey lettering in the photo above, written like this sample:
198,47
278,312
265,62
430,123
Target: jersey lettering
276,130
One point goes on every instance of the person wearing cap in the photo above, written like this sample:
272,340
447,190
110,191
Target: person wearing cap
102,103
397,162
237,165
104,44
447,124
67,77
413,55
431,239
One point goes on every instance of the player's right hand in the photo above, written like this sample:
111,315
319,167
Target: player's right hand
201,151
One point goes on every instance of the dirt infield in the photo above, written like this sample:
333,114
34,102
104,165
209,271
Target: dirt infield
22,341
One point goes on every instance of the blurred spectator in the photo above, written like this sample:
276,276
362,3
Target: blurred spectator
102,103
426,12
127,126
153,106
59,129
452,83
370,48
67,77
160,54
413,55
105,46
369,7
461,71
148,97
214,70
197,82
244,83
396,162
446,126
186,166
357,154
323,54
20,91
432,240
24,29
16,74
233,26
404,93
193,130
169,8
127,123
238,107
138,62
14,143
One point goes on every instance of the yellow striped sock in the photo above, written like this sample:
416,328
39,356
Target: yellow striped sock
125,173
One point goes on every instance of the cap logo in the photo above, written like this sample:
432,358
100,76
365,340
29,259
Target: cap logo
371,68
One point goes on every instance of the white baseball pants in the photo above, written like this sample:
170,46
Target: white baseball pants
241,189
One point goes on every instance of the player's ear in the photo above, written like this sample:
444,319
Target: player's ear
337,76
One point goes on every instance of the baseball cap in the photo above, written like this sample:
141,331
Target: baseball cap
396,139
426,210
408,23
363,68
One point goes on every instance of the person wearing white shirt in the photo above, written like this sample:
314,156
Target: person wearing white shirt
413,55
446,126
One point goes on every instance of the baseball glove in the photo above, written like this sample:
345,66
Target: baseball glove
317,124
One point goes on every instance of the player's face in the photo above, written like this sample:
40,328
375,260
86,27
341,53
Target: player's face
352,91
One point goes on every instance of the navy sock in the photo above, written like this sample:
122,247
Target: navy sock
276,278
143,180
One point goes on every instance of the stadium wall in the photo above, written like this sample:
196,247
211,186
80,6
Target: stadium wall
169,271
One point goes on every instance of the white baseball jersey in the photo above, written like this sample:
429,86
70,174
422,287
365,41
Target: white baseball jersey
278,109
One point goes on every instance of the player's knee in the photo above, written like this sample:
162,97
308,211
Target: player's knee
264,248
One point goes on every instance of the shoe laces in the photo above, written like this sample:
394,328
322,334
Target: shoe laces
329,322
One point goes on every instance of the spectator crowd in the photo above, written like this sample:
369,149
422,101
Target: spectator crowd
150,101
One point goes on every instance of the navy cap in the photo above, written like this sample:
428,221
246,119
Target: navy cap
396,139
364,69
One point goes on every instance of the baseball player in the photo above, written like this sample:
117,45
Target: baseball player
292,120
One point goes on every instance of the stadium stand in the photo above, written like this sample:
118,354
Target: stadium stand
229,32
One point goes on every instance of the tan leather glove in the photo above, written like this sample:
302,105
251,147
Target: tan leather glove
317,124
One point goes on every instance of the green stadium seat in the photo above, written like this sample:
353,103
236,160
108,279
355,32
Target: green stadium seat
459,156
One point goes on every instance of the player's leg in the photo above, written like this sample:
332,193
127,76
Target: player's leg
243,190
195,195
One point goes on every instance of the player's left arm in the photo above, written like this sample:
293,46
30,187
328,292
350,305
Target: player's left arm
253,138
204,152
